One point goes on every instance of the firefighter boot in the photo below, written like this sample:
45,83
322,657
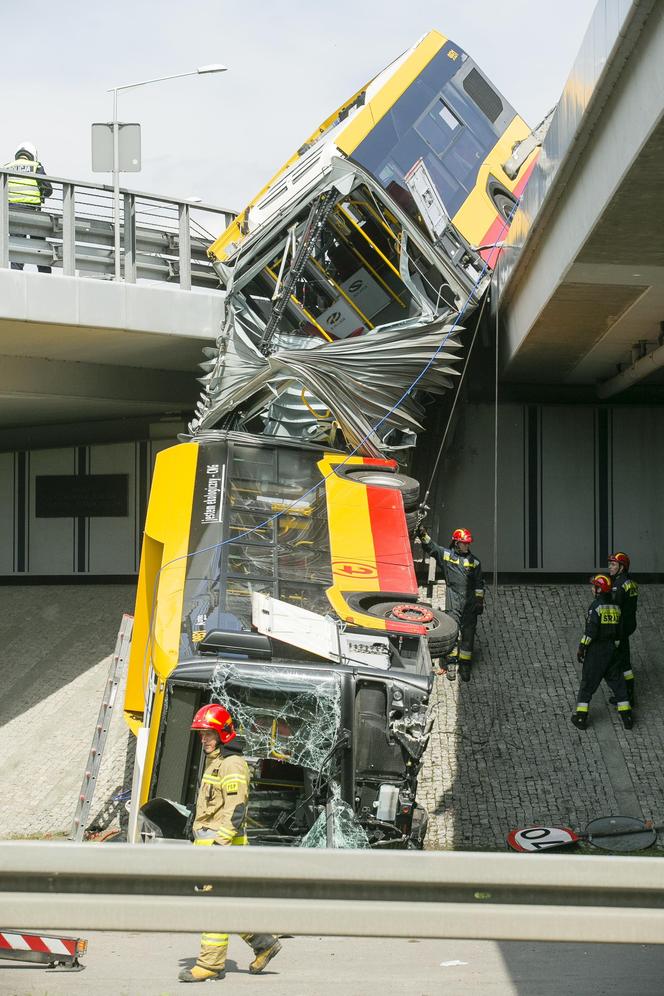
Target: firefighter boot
627,719
580,720
263,957
198,974
464,670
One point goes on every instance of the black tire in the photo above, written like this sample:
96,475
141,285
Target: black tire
408,486
442,631
411,523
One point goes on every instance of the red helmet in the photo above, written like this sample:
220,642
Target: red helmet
619,558
601,582
216,718
462,536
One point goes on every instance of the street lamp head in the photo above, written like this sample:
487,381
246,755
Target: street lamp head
214,68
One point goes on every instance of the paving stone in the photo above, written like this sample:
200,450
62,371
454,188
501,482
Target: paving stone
503,744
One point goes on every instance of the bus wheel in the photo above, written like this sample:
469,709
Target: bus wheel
408,486
442,630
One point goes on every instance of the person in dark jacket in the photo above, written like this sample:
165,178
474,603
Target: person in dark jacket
27,192
464,599
626,596
596,653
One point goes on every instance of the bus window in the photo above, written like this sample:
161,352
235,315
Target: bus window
484,95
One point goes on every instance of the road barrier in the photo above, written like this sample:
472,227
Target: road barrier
162,238
145,887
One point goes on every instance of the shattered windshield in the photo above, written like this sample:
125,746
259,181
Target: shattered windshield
282,715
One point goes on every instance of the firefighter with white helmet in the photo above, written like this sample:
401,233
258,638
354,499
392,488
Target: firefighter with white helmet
28,192
221,819
464,599
597,654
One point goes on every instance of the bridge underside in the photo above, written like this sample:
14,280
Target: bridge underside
75,350
588,285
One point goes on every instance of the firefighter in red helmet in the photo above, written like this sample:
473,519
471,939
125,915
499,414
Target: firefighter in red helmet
625,596
221,818
464,599
596,654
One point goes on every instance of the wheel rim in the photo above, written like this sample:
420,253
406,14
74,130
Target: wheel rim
408,612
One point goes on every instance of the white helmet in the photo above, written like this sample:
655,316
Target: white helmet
29,148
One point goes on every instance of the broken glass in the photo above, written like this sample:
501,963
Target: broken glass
336,826
281,714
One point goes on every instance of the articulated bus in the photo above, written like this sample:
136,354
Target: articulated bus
277,574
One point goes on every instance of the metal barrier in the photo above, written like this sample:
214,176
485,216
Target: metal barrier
162,238
354,893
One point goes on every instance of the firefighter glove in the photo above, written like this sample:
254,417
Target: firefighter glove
580,654
423,534
479,606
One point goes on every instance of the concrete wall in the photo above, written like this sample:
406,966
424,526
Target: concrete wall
39,545
574,483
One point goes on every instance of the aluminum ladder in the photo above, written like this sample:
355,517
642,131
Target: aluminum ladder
115,674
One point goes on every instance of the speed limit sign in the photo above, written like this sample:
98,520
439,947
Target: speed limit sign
540,838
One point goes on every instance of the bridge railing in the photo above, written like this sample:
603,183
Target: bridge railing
162,238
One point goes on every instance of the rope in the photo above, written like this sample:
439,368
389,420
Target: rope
423,503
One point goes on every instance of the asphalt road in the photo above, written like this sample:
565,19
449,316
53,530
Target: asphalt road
147,965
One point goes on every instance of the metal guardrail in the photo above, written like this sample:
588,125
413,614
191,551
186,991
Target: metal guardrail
162,238
353,893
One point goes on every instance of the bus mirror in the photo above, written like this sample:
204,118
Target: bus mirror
219,641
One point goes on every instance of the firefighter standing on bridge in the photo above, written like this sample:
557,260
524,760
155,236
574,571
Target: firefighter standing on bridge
464,599
221,816
27,191
597,654
626,596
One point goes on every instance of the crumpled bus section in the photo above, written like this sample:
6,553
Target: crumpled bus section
334,308
280,715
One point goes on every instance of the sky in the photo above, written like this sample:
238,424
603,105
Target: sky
220,137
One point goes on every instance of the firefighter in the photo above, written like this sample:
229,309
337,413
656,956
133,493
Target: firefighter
28,192
221,814
625,595
596,654
464,599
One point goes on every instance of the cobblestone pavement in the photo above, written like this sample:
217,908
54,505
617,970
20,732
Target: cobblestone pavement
55,644
503,752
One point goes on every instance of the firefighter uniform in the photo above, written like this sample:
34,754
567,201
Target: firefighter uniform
28,191
596,651
221,818
464,598
626,595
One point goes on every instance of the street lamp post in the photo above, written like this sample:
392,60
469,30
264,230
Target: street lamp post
201,71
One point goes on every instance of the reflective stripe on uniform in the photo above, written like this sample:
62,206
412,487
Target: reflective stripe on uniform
582,707
465,655
214,940
212,779
624,707
479,592
585,641
226,833
240,841
628,675
23,189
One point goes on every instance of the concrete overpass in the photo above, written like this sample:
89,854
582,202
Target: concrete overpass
80,351
581,282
